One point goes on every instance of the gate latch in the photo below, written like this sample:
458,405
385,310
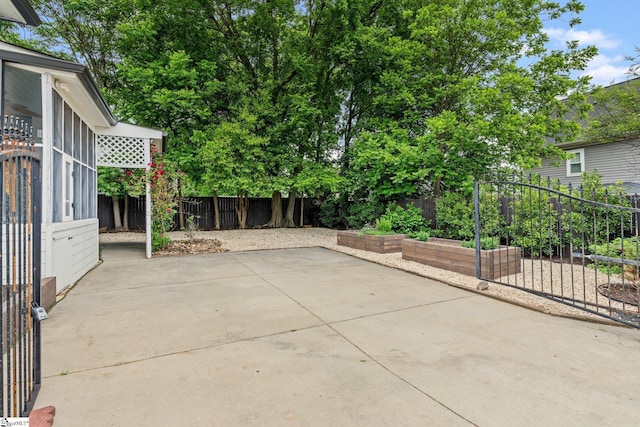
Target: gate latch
38,313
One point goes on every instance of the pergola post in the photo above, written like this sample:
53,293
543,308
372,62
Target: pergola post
129,146
148,219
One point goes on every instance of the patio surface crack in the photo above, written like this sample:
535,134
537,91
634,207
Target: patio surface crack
364,352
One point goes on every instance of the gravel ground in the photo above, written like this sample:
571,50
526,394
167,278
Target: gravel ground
544,272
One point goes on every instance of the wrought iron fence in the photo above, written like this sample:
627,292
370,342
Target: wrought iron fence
20,204
575,245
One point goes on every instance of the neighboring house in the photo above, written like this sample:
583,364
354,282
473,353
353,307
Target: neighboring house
617,161
19,11
74,132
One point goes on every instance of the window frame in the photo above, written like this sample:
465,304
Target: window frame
77,172
571,161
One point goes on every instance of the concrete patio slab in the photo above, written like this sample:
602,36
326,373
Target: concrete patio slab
508,366
313,337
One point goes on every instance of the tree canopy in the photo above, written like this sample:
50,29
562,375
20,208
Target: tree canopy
375,100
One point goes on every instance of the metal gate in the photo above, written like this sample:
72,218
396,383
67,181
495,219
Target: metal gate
20,202
575,245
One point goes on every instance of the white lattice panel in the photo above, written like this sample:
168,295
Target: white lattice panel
121,151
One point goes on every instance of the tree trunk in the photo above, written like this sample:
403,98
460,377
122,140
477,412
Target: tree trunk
302,209
291,205
241,207
276,211
180,213
125,214
437,189
117,221
216,210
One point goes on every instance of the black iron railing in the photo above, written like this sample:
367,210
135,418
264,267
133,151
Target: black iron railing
20,200
575,245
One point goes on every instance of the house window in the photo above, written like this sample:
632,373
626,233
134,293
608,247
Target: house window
74,173
575,164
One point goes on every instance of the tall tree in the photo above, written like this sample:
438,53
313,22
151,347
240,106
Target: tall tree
410,96
85,31
234,157
465,86
278,53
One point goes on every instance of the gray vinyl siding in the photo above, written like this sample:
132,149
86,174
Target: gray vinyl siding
616,161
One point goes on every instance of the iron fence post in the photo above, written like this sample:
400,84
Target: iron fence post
476,209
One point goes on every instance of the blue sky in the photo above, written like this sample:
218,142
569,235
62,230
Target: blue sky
610,25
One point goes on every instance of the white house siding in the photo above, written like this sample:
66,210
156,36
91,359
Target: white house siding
73,250
69,248
616,161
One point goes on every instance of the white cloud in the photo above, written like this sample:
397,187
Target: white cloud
605,70
593,37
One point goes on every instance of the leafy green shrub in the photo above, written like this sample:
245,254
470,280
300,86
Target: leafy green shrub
627,249
407,220
595,223
489,243
535,223
384,225
486,243
162,177
159,240
190,228
350,211
329,213
422,235
454,216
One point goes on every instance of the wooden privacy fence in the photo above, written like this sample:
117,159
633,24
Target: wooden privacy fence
200,209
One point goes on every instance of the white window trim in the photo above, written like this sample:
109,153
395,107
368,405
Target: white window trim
569,162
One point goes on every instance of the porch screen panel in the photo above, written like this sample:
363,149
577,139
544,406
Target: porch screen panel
78,201
85,192
57,120
57,186
77,129
93,197
85,143
68,129
91,154
23,98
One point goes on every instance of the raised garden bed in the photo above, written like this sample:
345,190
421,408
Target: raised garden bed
450,255
368,242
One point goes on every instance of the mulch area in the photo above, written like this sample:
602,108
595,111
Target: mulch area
627,293
191,247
